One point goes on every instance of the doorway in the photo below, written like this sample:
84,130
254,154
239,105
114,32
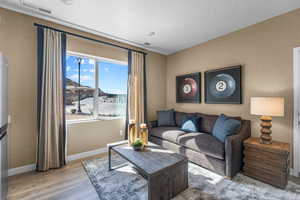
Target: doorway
296,131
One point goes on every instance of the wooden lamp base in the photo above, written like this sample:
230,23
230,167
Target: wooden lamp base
266,124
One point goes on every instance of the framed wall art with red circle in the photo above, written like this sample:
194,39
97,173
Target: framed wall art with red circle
188,88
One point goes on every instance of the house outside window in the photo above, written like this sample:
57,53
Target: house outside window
96,88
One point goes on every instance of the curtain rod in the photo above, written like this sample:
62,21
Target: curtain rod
88,38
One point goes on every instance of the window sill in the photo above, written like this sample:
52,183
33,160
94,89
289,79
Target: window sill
77,121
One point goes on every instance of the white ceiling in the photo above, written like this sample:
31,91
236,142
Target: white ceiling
178,24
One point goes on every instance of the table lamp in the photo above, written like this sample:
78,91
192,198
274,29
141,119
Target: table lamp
267,107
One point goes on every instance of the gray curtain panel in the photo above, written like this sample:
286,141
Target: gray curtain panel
51,114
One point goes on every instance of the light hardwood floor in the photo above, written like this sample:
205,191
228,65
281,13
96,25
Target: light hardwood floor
68,183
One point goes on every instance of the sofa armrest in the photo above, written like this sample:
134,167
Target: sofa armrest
153,124
234,149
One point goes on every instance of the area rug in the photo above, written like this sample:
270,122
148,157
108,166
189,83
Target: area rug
126,184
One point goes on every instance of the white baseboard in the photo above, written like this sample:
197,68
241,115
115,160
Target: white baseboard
293,172
22,169
32,167
86,154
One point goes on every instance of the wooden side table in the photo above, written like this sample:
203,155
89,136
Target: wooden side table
267,162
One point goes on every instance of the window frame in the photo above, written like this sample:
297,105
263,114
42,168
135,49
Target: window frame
96,59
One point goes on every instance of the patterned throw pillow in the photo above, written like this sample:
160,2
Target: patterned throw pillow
225,126
190,124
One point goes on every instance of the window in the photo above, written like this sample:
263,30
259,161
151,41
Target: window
96,87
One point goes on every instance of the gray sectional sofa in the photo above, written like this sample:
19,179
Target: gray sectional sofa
203,148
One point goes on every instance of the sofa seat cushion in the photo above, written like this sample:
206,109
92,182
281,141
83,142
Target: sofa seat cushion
203,143
167,133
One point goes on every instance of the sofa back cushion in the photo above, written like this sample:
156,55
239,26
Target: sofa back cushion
166,118
179,117
207,121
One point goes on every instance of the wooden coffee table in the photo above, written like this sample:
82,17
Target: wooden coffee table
166,171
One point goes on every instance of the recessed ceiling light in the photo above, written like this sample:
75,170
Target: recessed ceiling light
147,44
67,2
151,34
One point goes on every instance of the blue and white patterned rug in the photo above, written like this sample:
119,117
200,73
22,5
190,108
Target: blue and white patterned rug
125,184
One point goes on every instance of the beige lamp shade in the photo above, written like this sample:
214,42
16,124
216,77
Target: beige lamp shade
267,106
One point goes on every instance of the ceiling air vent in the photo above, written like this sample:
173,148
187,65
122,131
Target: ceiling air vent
34,7
45,10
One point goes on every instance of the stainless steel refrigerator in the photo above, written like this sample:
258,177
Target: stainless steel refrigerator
3,127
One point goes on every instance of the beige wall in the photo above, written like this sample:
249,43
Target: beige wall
18,43
265,51
156,86
88,136
76,44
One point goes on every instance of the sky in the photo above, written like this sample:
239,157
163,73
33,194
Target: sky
112,77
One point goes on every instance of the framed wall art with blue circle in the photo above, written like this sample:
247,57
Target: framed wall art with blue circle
223,86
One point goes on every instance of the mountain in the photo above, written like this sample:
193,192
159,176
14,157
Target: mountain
75,84
85,92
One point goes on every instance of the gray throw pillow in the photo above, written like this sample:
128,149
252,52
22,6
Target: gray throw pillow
166,117
225,126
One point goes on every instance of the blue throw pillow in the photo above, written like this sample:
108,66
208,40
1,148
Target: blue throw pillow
166,118
225,126
190,124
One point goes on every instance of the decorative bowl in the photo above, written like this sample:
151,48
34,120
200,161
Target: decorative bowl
137,148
